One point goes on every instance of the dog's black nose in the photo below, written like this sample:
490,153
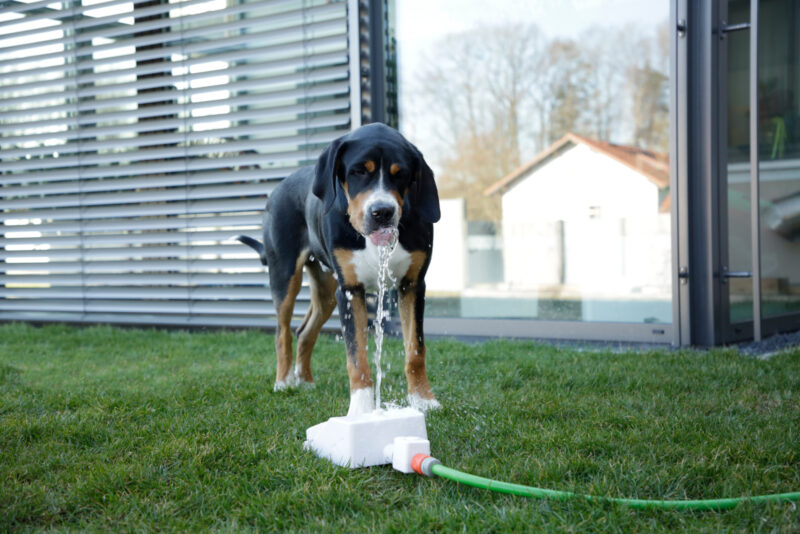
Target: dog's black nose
382,212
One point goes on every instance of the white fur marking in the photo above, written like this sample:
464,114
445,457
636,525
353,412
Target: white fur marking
289,383
292,381
282,385
361,401
423,405
366,262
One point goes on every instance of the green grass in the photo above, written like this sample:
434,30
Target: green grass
107,429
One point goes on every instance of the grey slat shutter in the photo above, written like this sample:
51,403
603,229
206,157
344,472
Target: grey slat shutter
137,137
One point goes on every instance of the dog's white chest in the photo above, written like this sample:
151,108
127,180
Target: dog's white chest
366,263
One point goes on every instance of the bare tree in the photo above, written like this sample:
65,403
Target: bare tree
499,95
604,78
483,86
567,89
453,83
479,162
516,57
646,62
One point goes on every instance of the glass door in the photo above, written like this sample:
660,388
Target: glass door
760,272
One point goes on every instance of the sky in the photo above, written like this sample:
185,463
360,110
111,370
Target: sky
421,22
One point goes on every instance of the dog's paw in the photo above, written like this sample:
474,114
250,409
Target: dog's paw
292,381
422,404
361,401
283,385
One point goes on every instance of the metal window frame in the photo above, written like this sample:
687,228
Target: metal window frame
760,326
698,209
702,303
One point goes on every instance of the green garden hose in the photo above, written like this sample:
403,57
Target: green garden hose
427,465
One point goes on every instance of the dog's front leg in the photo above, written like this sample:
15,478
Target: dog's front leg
412,309
353,315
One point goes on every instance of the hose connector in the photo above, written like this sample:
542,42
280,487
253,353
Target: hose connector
423,464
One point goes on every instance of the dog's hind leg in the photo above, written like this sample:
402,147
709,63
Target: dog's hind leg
285,278
323,302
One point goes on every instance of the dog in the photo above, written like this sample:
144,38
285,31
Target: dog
367,188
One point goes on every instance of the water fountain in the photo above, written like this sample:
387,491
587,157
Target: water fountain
392,435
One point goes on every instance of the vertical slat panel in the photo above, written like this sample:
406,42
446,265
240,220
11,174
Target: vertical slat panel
138,137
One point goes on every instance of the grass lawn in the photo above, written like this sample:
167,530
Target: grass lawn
107,429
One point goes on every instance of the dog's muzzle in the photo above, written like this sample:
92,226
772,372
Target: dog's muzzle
381,222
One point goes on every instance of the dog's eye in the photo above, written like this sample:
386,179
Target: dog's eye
358,173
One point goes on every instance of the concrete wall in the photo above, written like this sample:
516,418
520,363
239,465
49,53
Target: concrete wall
447,272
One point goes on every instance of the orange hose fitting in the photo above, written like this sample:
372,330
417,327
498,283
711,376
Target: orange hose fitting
424,464
416,462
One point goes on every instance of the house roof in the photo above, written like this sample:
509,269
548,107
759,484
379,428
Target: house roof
652,165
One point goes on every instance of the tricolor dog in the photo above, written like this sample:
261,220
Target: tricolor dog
367,187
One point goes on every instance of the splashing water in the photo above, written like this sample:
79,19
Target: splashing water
385,278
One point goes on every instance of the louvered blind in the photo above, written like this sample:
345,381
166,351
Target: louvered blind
136,138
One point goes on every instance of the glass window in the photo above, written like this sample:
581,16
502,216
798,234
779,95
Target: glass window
547,125
779,159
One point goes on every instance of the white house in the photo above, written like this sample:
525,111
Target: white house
587,219
447,273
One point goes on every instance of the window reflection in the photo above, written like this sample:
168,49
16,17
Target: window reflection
549,142
779,155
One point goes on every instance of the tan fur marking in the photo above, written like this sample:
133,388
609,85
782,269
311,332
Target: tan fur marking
358,364
394,169
323,302
399,198
283,335
418,258
407,302
416,374
344,258
355,210
369,165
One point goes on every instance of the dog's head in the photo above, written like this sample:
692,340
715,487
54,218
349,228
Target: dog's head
380,174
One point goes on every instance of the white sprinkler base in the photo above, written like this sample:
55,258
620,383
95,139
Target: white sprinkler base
367,439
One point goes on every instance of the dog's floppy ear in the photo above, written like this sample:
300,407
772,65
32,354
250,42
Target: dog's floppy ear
326,173
427,196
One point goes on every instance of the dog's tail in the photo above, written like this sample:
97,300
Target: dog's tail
256,245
